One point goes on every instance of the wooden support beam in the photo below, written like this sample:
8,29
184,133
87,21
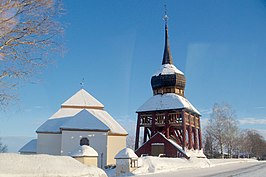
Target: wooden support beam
145,134
153,124
189,133
184,130
137,132
166,125
195,138
200,136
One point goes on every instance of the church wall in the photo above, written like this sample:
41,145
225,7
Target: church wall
49,143
97,140
115,145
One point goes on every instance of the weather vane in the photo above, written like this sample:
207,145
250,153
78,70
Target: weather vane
165,18
82,83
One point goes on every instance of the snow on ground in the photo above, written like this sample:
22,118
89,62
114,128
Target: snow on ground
159,164
16,165
162,166
151,165
239,169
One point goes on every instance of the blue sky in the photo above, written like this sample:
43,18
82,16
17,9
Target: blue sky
117,45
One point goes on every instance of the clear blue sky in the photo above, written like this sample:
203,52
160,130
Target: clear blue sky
117,46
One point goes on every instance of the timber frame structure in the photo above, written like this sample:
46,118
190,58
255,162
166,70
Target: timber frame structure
178,122
180,125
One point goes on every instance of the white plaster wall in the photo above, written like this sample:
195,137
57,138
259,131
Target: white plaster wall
98,141
115,144
49,144
122,166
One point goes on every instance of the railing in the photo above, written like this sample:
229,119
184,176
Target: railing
160,119
173,118
145,119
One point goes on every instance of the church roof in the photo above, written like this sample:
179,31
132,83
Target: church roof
84,151
66,118
30,147
80,118
168,69
84,120
82,99
167,101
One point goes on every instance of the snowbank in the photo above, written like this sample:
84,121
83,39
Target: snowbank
151,164
16,165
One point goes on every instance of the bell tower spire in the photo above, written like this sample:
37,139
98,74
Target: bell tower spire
167,57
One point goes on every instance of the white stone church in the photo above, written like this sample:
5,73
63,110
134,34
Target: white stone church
81,120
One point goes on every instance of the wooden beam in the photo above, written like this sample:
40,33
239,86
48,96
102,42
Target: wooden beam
184,130
137,133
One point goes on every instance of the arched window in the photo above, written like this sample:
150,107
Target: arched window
84,141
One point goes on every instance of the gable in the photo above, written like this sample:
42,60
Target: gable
171,149
82,99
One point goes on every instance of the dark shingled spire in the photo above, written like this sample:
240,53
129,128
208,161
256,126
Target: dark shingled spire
167,57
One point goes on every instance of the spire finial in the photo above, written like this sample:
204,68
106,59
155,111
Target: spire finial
167,57
82,83
165,18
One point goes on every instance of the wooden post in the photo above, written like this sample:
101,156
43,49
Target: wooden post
137,132
153,124
189,133
184,130
145,134
195,138
167,125
200,136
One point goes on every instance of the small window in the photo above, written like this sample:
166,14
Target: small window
84,141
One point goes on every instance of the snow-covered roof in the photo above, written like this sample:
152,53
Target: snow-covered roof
81,112
84,120
52,125
30,147
167,101
92,119
126,153
168,69
84,151
172,142
82,99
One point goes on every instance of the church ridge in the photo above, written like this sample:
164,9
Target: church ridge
82,99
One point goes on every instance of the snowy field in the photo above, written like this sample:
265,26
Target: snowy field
15,165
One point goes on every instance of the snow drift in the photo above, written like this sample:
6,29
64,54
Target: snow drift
151,164
16,165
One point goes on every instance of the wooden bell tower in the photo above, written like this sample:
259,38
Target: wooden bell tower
168,123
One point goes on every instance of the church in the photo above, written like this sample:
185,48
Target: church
81,120
168,123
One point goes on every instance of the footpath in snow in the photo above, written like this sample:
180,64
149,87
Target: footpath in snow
16,165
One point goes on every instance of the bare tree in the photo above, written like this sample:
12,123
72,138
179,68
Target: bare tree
209,144
130,141
29,32
222,129
3,148
253,144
